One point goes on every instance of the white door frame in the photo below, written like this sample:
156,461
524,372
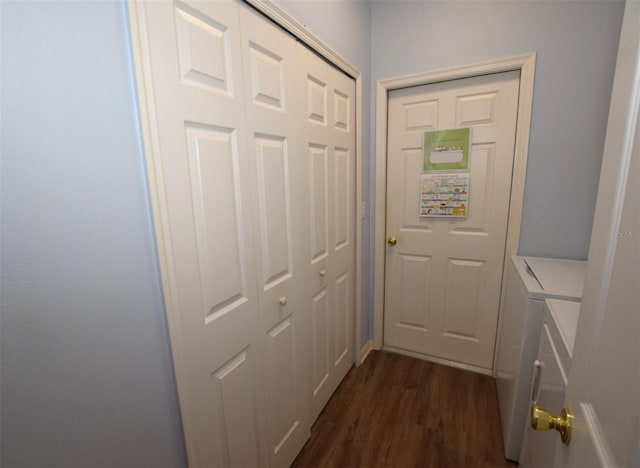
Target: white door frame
526,64
147,112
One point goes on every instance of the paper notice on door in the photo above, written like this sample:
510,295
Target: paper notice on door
445,194
446,150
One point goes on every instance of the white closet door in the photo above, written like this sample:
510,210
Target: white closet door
253,146
329,130
273,109
193,69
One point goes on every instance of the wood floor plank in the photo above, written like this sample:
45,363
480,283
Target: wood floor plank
396,410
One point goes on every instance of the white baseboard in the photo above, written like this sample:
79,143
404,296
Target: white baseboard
364,352
437,360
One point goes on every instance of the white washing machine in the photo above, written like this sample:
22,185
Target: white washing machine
550,385
529,281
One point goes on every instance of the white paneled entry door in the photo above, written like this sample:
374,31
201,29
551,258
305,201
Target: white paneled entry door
443,276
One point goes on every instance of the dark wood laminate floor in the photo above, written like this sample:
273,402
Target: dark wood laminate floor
399,411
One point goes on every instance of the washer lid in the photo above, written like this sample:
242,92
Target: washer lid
559,276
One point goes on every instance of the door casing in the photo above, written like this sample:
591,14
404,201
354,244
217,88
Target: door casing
526,64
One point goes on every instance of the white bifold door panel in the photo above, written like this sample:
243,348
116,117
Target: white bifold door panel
204,185
330,152
254,220
273,107
443,277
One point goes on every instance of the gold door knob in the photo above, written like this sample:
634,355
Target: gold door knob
392,241
543,420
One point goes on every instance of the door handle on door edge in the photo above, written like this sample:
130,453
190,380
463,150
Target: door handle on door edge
392,241
543,420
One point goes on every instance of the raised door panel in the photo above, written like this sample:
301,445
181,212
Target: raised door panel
341,183
284,418
420,116
213,161
319,202
321,320
342,201
267,77
342,318
464,293
203,50
274,194
316,100
342,110
415,280
236,411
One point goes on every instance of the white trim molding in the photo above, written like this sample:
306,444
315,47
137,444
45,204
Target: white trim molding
147,109
525,63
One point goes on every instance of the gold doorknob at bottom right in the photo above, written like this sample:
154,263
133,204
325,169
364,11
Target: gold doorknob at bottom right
543,420
392,241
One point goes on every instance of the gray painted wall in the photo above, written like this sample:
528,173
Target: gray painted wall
576,42
87,378
345,26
